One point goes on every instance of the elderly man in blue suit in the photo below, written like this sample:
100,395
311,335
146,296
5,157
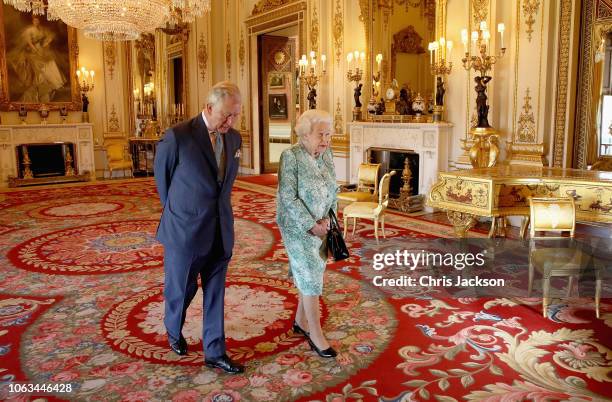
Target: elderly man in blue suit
195,168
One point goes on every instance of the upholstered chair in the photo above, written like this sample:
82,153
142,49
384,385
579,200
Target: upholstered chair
118,156
367,185
370,210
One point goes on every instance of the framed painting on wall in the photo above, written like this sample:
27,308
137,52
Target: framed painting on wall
277,81
38,59
278,106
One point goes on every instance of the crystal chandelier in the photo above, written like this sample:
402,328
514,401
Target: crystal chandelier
112,20
36,7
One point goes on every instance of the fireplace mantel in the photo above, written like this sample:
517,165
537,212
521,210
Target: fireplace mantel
431,141
80,134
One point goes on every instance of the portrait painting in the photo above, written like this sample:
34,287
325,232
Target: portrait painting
278,106
277,81
37,63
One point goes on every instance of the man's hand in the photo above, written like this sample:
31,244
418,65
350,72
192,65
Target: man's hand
321,228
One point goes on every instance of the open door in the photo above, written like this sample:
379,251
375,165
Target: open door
278,94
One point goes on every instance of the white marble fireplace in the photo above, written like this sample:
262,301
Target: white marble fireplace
431,141
79,134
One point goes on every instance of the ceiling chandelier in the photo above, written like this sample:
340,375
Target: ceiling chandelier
114,20
36,7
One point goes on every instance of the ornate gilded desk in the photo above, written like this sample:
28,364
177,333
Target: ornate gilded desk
504,190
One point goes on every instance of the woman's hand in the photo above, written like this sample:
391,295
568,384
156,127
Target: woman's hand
321,228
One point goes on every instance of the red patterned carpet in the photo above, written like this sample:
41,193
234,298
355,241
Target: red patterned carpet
81,304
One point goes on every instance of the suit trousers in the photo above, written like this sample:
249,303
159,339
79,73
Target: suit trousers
182,268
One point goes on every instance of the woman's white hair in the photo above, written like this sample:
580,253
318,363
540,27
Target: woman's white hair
222,90
308,119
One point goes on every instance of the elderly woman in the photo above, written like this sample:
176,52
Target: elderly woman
306,193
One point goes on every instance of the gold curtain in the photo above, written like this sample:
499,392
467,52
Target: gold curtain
593,132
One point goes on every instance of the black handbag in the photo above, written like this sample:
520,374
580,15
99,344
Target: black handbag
335,242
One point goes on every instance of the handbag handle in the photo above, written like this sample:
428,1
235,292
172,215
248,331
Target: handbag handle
333,220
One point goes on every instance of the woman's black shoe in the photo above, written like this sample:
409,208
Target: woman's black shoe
327,353
299,330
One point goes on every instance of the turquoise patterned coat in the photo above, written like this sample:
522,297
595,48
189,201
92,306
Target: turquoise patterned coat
306,192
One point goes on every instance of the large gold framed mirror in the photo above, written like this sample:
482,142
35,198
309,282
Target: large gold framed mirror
400,31
175,100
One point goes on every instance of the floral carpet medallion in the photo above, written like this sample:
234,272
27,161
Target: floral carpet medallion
130,349
257,322
92,249
81,282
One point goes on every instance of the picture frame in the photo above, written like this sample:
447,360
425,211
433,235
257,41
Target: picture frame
277,106
277,81
46,77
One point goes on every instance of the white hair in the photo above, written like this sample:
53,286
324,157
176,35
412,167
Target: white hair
308,119
222,90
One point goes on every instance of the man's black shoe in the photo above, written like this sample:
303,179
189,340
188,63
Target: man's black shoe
179,347
225,363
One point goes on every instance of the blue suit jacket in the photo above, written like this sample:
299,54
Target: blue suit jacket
193,201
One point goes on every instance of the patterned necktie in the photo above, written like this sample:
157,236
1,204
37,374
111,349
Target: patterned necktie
218,148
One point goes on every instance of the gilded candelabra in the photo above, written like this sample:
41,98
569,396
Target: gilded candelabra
484,152
85,80
310,77
356,76
440,53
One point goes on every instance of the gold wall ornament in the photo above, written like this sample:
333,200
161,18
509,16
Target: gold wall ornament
530,9
480,11
110,57
526,123
562,81
228,57
113,121
243,126
314,29
338,123
263,6
202,57
338,32
242,52
604,10
364,8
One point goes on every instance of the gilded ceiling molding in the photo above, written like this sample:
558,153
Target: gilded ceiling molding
314,30
242,52
480,11
113,121
228,57
338,31
562,82
338,123
263,6
530,9
526,123
202,57
110,57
